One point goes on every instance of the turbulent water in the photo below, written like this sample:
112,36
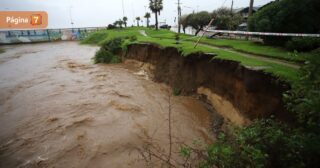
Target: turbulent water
57,109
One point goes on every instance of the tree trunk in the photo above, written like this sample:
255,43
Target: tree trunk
197,32
147,22
156,13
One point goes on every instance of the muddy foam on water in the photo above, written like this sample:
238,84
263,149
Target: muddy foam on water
57,109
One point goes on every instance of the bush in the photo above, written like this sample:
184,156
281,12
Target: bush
113,45
286,16
103,56
265,143
303,44
304,99
111,26
109,51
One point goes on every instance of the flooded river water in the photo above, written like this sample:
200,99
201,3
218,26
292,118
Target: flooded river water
57,109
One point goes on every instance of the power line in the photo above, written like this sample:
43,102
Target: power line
224,2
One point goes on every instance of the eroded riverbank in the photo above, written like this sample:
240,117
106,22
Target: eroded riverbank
57,109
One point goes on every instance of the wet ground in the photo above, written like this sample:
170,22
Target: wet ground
57,109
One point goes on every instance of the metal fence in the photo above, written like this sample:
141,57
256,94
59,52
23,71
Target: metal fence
44,35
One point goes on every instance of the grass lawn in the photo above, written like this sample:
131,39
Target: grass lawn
254,48
165,38
244,46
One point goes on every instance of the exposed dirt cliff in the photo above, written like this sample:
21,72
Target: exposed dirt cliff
236,92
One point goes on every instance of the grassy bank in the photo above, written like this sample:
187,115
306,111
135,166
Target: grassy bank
165,38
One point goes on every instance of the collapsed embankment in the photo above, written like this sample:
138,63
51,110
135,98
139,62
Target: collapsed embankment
238,93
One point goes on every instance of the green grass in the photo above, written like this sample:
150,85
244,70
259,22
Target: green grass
255,48
250,47
1,50
165,38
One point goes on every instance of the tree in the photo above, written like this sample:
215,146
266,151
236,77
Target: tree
125,19
138,20
156,6
224,19
147,16
286,16
184,22
198,20
120,22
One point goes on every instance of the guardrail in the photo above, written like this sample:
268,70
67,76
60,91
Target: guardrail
264,33
44,35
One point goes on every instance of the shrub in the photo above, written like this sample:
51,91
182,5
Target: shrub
113,45
111,26
303,44
304,99
265,143
286,16
109,51
103,56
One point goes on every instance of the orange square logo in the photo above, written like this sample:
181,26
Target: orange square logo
36,19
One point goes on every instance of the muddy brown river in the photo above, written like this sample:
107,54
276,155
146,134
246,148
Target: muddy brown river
58,109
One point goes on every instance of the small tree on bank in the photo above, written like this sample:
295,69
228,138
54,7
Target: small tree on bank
156,6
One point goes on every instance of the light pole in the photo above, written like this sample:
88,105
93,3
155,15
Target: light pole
179,17
123,9
71,20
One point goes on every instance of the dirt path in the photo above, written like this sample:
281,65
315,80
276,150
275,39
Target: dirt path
57,109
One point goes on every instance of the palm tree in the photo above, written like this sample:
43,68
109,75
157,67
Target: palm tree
147,16
156,6
138,20
125,19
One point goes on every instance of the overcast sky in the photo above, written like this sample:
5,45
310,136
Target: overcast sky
93,13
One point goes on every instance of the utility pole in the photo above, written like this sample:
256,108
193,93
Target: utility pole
232,6
250,8
179,17
123,9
